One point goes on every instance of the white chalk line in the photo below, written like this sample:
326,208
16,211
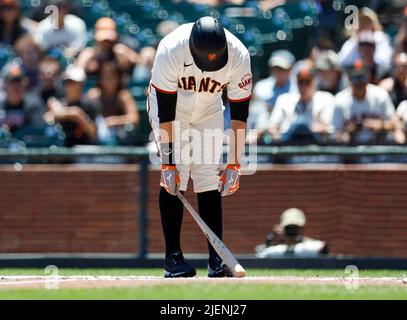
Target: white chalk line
9,281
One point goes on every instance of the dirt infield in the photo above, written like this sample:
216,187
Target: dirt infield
86,282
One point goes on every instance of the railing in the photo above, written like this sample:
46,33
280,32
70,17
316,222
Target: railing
56,154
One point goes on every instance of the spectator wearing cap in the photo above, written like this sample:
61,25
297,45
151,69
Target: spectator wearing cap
364,113
303,117
107,48
329,75
74,112
19,109
396,85
367,49
288,239
68,35
356,46
267,91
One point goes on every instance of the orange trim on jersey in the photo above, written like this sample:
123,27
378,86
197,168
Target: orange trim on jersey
240,100
163,91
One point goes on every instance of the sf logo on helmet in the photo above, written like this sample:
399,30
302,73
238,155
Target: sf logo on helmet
212,56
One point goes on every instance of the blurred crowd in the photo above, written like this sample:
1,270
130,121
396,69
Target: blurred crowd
353,94
45,102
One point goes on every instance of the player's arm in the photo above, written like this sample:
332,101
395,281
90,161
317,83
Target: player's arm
239,94
166,112
239,112
167,102
164,82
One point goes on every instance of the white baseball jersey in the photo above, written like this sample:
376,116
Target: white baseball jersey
199,93
199,99
376,105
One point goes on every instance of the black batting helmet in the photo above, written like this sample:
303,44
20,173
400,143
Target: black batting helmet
208,44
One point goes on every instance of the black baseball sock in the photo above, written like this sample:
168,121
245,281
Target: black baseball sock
210,209
171,210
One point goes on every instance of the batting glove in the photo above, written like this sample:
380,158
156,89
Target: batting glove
170,179
229,181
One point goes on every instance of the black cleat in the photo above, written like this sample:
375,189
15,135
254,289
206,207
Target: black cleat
177,267
217,268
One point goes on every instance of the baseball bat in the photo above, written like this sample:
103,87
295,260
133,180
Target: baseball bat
218,245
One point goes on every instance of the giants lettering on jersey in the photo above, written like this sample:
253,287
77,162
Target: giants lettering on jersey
205,85
246,82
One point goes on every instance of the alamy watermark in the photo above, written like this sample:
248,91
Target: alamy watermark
352,20
352,278
51,282
207,147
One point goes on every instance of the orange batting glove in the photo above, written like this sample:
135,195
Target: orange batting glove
170,179
229,181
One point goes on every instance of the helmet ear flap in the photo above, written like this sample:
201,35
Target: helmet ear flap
208,44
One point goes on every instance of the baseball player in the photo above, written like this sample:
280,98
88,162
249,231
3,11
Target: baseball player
193,65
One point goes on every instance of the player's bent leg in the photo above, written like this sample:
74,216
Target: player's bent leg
210,209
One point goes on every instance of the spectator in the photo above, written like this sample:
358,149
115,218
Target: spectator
117,106
142,72
30,53
329,74
18,109
288,239
11,25
166,27
303,117
402,124
396,85
367,49
267,91
401,38
106,49
50,85
75,113
355,47
364,113
67,34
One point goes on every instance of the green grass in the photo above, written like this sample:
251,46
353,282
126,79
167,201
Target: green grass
212,291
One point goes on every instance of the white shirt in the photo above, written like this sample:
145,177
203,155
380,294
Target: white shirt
402,111
199,93
288,109
73,35
376,105
382,56
265,95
